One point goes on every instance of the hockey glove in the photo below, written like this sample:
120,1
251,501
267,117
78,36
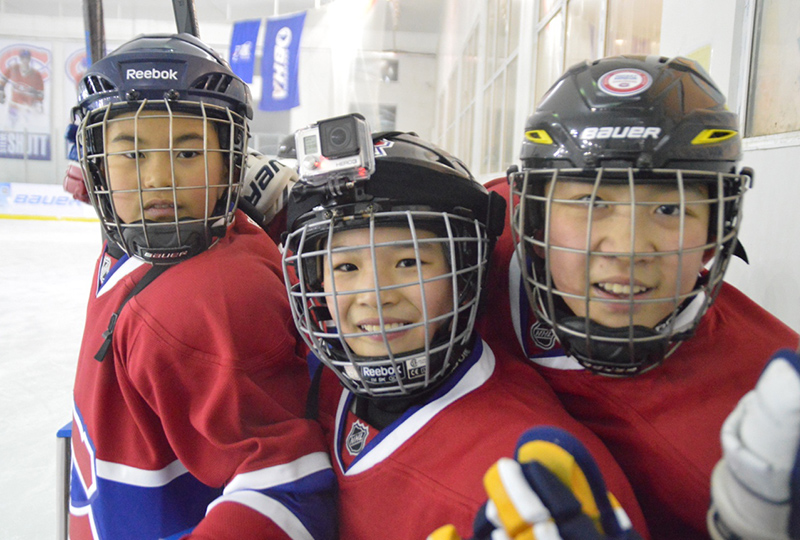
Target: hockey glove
73,178
267,184
552,491
755,487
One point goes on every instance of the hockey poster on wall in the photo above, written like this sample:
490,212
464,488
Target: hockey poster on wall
74,68
25,79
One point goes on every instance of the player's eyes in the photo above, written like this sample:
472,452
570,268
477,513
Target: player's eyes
669,209
345,267
597,203
408,263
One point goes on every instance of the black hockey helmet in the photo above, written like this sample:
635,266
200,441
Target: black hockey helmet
416,186
627,120
178,76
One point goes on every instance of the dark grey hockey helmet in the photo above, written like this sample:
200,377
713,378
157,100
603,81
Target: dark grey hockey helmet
179,79
625,122
415,187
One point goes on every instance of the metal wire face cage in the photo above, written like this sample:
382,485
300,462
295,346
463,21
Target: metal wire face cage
620,307
319,299
177,231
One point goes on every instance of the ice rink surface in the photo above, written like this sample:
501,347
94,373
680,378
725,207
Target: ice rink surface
45,274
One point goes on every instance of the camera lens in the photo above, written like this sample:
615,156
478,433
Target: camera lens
338,137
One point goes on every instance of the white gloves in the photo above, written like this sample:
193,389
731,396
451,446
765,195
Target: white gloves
755,488
267,183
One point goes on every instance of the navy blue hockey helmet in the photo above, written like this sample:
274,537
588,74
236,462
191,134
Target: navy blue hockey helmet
627,121
418,187
171,77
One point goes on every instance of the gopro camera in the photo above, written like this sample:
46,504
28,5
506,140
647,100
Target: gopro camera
338,147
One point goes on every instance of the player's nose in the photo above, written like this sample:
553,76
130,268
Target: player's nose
155,170
625,234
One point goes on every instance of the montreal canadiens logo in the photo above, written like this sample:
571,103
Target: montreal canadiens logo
625,82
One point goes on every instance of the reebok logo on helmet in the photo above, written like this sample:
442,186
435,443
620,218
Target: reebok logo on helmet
154,74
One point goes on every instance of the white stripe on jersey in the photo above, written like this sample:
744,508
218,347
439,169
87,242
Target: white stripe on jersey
280,474
133,476
478,374
126,268
270,508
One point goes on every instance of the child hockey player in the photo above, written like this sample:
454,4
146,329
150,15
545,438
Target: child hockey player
188,401
623,220
385,272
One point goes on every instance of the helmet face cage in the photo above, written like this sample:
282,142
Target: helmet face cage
166,241
163,95
627,348
465,246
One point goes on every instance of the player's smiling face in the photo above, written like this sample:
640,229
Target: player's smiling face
634,268
147,136
400,298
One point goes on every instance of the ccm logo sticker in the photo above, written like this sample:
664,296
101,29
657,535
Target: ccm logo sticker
148,74
620,132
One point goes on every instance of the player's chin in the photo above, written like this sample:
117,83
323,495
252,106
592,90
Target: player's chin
647,317
370,349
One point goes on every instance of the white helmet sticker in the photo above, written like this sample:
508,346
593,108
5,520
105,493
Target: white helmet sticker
625,82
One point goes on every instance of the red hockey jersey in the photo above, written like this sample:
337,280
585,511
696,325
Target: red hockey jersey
663,427
426,469
193,423
27,88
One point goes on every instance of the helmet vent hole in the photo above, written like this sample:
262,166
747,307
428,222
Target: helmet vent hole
214,82
97,85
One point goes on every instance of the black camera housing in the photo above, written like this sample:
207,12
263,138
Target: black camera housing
339,137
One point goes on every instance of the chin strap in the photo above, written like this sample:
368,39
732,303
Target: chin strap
629,351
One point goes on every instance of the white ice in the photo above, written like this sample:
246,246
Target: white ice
45,274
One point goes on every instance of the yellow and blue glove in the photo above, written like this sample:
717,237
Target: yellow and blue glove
553,490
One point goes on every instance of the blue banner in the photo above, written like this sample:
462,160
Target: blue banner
279,63
243,48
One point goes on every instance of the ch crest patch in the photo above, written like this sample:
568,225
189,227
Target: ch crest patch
357,438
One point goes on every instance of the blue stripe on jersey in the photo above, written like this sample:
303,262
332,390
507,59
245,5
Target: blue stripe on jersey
313,500
176,508
152,512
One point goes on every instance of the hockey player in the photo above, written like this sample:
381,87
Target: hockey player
624,218
553,488
26,85
385,276
189,392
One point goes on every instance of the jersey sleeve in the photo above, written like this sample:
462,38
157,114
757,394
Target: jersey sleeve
217,370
